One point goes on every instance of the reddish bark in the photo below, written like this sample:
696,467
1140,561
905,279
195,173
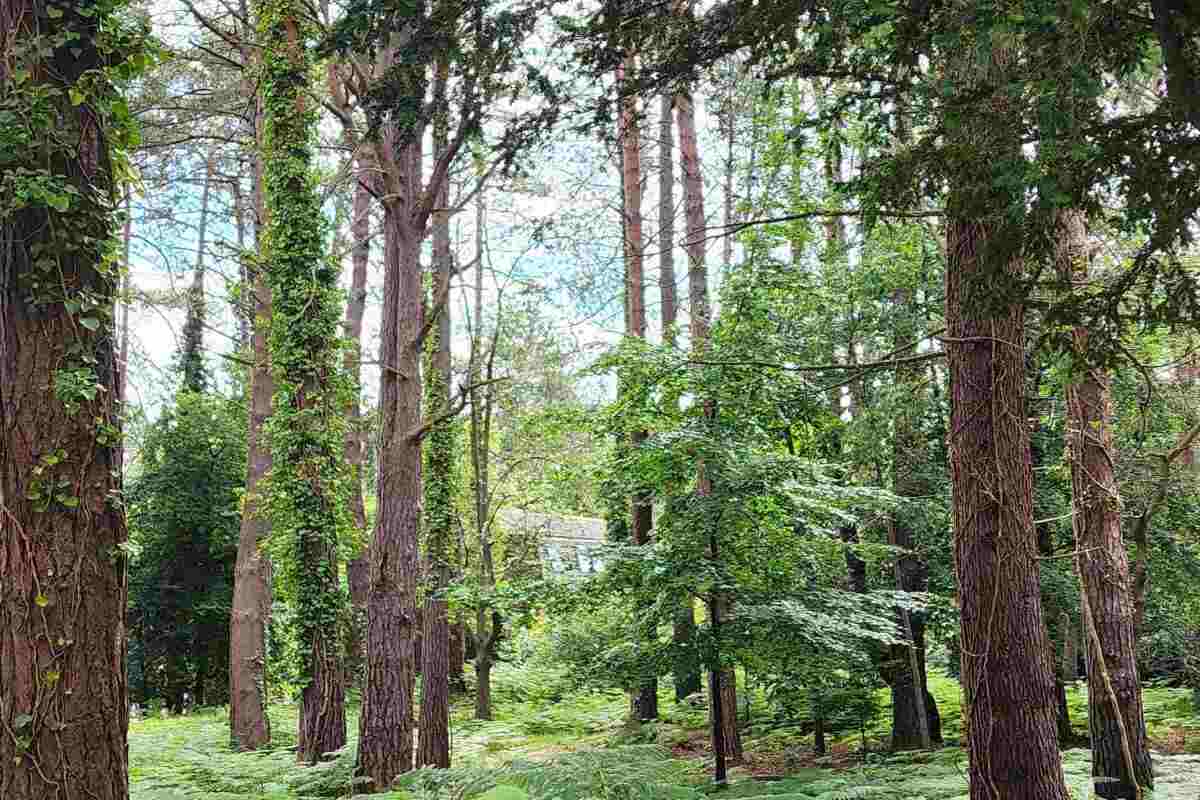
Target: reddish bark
1120,754
644,705
385,747
666,221
1008,683
249,726
63,702
725,733
1007,677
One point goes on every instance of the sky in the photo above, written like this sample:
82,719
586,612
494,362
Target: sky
574,264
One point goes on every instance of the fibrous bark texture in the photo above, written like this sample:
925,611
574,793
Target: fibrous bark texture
249,726
1007,678
385,747
1120,753
63,703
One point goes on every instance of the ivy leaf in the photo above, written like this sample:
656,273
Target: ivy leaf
41,600
91,323
21,721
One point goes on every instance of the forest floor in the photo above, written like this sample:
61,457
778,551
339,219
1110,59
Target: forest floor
581,748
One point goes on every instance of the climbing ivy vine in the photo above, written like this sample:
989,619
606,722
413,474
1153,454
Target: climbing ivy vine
306,489
439,448
65,137
65,132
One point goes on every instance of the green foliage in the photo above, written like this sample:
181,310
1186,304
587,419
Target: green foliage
188,758
439,450
594,648
305,495
619,773
184,518
48,116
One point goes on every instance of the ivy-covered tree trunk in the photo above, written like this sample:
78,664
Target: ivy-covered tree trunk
440,448
249,725
722,690
1120,753
644,705
1008,682
191,355
63,703
306,427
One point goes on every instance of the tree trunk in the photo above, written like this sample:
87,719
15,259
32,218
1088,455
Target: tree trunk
645,701
666,222
483,688
126,301
1007,678
192,351
686,670
1069,671
730,735
911,726
63,702
356,438
440,447
458,658
1120,754
303,349
354,445
722,700
485,635
249,726
386,726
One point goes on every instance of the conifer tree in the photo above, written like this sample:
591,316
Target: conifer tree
63,701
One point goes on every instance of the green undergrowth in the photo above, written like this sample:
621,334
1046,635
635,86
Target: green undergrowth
549,744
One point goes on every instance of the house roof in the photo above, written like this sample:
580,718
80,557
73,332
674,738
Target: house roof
566,544
555,527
